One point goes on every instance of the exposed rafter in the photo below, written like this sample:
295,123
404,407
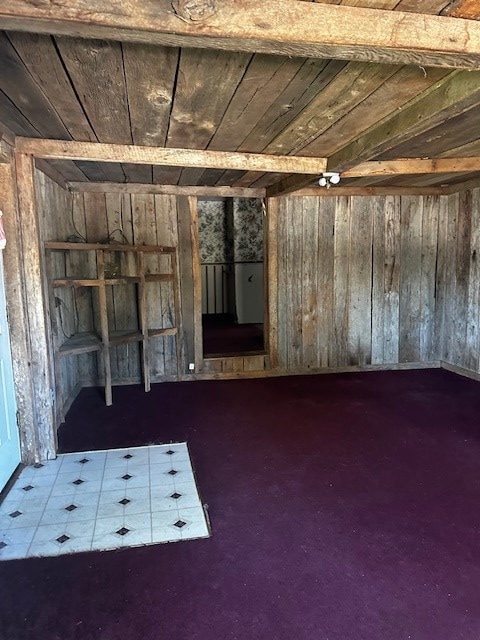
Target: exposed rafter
95,151
413,166
281,27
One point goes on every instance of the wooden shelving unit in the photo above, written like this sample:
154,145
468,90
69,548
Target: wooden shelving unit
105,339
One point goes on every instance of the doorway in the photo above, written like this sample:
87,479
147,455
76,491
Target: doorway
231,238
9,437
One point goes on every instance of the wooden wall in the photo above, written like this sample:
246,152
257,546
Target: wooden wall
135,219
356,281
54,208
458,281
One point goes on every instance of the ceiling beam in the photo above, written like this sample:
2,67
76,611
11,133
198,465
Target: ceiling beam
280,27
166,189
158,156
412,166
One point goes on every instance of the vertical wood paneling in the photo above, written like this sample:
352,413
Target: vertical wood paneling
359,334
471,361
367,290
410,278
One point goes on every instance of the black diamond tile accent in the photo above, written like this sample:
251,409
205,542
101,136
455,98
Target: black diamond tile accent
15,514
3,544
83,461
169,452
38,465
173,472
176,495
63,538
128,456
28,487
125,501
179,524
123,531
127,476
78,481
71,507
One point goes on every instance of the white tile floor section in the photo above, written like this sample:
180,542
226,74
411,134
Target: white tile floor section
100,500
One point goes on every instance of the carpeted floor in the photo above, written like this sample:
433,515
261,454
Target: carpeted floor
343,507
222,336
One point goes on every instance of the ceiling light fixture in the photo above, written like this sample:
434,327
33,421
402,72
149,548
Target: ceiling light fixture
329,178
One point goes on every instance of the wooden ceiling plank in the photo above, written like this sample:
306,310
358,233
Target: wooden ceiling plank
138,172
449,97
469,9
452,132
282,27
52,172
69,170
92,170
17,83
199,104
400,89
349,88
96,71
313,77
14,119
265,79
150,76
431,7
166,175
113,171
40,57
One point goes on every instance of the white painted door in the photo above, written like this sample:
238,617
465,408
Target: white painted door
9,439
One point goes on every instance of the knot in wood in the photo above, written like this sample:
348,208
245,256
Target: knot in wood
194,10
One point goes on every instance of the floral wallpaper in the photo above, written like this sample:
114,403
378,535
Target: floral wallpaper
231,232
248,230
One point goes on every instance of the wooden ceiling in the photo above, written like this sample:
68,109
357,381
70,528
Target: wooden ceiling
69,88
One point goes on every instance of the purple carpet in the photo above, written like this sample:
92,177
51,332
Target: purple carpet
221,336
343,507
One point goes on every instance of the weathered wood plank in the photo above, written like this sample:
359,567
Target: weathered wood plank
280,27
453,94
339,352
326,237
224,192
410,275
35,308
427,282
40,57
308,218
271,282
17,83
359,337
150,77
406,166
88,151
102,93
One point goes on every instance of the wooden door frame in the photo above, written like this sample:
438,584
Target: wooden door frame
270,293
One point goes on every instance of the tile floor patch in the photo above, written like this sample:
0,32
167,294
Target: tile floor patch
51,511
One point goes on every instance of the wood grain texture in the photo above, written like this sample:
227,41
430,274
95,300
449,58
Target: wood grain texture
57,149
283,28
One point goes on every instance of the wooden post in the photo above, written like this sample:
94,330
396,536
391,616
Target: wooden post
102,295
271,282
38,431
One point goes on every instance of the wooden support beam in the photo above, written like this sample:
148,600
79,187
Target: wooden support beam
322,192
280,27
413,166
98,152
449,97
166,189
35,309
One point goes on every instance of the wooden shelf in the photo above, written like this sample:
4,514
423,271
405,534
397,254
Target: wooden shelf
76,282
159,277
122,337
122,280
155,333
87,342
80,343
